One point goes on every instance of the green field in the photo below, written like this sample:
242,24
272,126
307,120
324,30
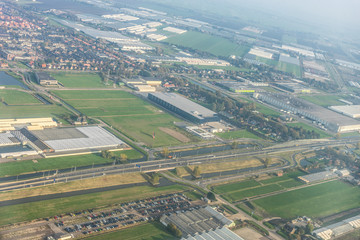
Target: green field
267,111
14,97
239,190
79,80
289,68
324,100
28,166
270,62
237,134
47,208
310,128
215,45
313,201
148,231
131,115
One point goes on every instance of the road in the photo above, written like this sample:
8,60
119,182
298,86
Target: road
165,164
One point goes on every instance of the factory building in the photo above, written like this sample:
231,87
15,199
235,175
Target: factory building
201,223
331,120
338,229
292,87
44,78
348,110
184,107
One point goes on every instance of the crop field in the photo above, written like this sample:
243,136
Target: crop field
14,97
237,134
324,100
239,190
28,166
47,208
313,201
129,114
217,46
79,80
289,68
310,128
148,231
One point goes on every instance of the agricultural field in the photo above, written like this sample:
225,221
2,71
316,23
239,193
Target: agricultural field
289,68
237,134
215,45
79,80
148,231
28,166
310,128
314,201
324,100
47,208
14,97
134,117
240,190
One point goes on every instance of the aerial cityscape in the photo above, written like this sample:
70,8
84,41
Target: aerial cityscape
179,120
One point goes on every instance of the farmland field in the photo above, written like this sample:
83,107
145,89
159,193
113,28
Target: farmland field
14,97
129,114
217,46
313,201
289,68
237,134
324,100
148,231
239,190
80,80
27,166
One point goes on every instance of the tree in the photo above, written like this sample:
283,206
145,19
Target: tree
266,162
197,171
309,228
178,171
211,196
358,145
155,178
174,230
165,152
107,154
234,145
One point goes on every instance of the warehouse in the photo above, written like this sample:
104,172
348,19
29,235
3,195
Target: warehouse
198,222
293,87
348,110
75,139
331,120
184,107
44,78
339,228
316,177
237,87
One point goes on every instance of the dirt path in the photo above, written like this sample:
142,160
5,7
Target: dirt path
179,136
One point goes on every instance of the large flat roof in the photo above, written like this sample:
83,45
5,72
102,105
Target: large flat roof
348,110
185,104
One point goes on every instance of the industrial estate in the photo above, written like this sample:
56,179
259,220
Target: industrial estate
151,120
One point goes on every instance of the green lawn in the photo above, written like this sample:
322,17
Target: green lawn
27,166
313,201
47,208
79,80
14,97
270,62
310,128
285,177
131,115
267,111
324,100
237,134
251,192
148,231
224,188
215,45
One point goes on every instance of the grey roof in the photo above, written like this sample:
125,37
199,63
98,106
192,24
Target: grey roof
349,110
44,76
8,139
92,137
314,177
287,59
185,104
217,234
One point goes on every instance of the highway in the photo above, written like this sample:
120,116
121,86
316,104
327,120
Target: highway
165,164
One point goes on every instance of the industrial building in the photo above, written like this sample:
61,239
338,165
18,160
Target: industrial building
201,223
237,87
30,123
331,120
316,177
44,78
292,86
348,110
184,107
338,229
54,141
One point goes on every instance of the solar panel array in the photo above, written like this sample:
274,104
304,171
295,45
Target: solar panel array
96,137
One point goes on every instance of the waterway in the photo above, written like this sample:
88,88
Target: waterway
7,80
